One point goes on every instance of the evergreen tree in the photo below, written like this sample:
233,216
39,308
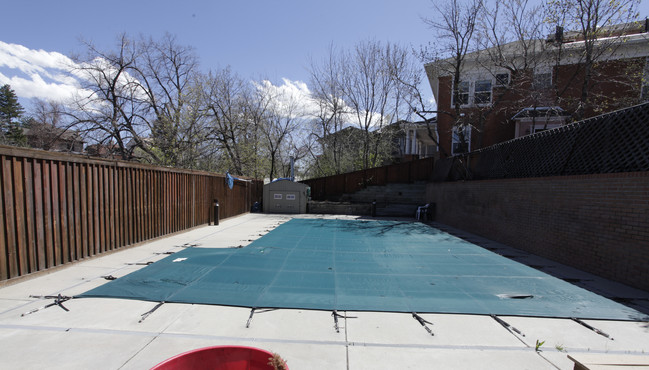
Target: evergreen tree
10,112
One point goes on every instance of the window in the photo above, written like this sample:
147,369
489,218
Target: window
482,92
502,79
461,144
542,80
462,94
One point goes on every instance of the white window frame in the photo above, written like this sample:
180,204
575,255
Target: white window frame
468,90
482,101
498,82
461,93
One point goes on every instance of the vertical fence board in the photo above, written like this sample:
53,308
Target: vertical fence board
90,197
128,212
95,209
75,196
140,205
56,212
183,201
105,209
172,205
148,213
101,209
106,191
7,186
85,215
4,268
39,221
158,208
96,206
69,195
63,208
19,214
111,209
167,201
47,213
28,166
121,206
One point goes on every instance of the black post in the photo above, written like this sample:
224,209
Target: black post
373,212
216,211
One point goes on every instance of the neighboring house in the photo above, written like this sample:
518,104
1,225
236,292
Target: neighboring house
498,102
110,151
48,137
413,140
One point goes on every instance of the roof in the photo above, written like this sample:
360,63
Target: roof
540,112
634,45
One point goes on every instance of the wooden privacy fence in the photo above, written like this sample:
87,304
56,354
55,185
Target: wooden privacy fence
57,208
326,188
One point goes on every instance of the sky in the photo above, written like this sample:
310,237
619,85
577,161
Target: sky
267,39
258,39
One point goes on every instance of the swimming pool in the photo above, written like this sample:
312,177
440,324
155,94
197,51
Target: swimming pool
368,265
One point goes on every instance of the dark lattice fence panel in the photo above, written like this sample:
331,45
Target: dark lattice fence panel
613,142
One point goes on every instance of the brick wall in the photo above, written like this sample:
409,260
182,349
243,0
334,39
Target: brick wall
597,223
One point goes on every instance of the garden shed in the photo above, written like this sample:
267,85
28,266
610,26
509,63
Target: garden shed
285,196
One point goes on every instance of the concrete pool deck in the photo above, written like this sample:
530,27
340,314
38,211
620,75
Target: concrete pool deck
103,333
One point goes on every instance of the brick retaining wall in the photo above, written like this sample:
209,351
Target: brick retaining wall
597,223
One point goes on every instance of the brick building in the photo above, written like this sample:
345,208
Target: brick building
500,101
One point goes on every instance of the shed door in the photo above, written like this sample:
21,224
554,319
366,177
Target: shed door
284,202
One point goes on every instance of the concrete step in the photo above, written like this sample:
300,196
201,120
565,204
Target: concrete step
397,210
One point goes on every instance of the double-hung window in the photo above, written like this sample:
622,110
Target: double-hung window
542,80
482,92
502,79
462,93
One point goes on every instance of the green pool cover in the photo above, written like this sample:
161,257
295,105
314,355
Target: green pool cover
361,266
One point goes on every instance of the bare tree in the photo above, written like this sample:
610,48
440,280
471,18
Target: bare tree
598,23
166,72
510,35
455,39
327,94
368,90
142,99
116,110
235,116
283,115
358,88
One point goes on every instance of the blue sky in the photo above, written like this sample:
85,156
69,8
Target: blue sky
259,39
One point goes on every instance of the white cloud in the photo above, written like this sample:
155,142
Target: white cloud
37,73
36,87
293,96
